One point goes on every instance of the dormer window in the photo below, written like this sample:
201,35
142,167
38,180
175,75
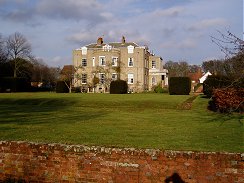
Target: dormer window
84,50
130,49
107,47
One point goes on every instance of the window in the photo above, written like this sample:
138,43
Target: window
102,61
102,78
130,62
163,77
153,80
84,50
83,78
107,47
130,78
114,76
83,62
130,49
93,61
114,61
154,64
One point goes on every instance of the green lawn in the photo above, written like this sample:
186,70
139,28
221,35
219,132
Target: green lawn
133,120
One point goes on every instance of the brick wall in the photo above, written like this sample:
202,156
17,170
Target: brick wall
32,162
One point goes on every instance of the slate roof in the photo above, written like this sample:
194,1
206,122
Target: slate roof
114,45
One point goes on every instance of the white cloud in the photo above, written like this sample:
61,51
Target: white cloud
172,29
204,24
170,12
72,9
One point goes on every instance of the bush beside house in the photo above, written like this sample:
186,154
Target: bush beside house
179,86
118,87
61,87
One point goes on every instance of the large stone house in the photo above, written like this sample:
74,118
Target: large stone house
96,65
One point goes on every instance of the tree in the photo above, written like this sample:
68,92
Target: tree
229,44
3,55
224,99
67,75
177,69
18,48
43,74
5,67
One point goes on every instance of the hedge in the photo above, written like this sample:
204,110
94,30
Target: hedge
11,84
213,82
118,87
61,87
179,86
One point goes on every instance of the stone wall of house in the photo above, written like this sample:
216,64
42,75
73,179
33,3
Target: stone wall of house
32,162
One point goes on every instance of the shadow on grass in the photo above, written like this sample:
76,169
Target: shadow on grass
40,111
223,118
59,102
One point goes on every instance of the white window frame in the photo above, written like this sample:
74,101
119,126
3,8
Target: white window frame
102,80
154,64
107,47
114,61
100,61
130,49
130,60
116,76
83,62
130,78
84,79
84,50
93,61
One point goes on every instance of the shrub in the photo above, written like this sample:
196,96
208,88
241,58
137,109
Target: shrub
159,89
213,82
227,100
11,84
179,86
61,87
118,87
76,90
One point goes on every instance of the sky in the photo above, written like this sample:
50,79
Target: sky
177,30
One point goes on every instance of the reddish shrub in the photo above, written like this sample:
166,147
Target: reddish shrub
228,100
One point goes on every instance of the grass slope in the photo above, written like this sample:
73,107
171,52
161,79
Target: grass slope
135,120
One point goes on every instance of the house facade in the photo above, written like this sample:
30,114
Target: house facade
97,64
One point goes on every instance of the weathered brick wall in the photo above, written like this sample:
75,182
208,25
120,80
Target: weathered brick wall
31,162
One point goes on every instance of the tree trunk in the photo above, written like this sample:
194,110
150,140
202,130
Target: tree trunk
70,87
15,69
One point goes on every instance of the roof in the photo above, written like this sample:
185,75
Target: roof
67,69
114,45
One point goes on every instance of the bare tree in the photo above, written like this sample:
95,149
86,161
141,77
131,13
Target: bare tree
3,55
43,74
233,48
177,69
18,47
229,43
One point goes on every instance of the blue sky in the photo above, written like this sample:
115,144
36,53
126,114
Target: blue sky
177,30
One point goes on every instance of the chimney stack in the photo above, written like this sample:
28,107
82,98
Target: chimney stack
99,41
123,40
